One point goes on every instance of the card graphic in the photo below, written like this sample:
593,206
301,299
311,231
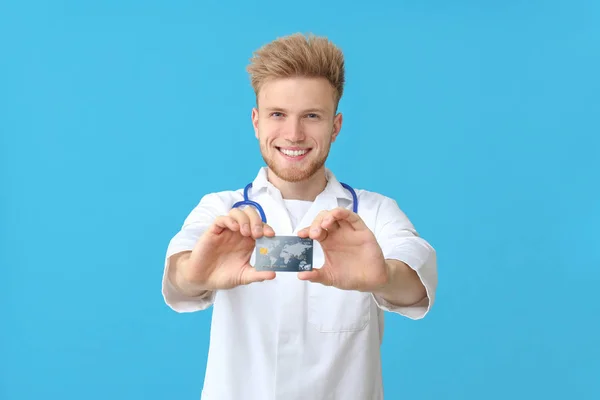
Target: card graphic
284,253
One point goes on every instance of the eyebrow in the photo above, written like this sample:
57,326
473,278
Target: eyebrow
310,110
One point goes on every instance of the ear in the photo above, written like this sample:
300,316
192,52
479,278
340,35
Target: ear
337,126
255,121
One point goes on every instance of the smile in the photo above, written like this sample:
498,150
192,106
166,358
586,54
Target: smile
293,153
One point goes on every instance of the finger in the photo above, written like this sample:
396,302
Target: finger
224,222
242,219
352,218
268,230
316,231
250,275
330,223
304,232
318,275
255,221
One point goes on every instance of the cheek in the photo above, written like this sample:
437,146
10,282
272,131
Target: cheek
268,132
321,135
265,137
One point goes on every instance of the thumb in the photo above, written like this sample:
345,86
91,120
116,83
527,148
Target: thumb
250,275
318,275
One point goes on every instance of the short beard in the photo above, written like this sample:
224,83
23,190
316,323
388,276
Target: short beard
293,174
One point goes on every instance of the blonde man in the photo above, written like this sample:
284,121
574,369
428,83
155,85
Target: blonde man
313,334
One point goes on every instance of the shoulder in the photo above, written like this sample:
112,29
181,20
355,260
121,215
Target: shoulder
380,207
382,213
374,199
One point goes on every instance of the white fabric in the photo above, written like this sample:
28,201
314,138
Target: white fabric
296,211
293,340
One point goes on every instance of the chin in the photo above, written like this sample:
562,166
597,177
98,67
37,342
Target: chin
293,174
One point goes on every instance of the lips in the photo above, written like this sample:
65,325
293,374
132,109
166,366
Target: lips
294,152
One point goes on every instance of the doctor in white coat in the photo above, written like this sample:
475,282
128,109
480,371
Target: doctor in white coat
311,334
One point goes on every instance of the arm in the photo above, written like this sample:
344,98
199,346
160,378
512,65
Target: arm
404,287
411,264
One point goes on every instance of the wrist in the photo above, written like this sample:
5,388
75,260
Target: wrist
388,269
404,287
179,277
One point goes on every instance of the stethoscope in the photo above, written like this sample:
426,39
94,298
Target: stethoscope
248,202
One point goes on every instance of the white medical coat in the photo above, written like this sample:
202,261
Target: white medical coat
288,339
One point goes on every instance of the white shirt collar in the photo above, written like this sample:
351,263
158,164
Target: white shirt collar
333,187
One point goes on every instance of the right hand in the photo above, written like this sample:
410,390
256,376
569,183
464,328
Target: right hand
221,257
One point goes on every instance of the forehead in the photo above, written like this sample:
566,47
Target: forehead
297,94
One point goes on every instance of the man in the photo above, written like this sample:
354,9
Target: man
311,334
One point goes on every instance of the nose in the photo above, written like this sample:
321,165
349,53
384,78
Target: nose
294,131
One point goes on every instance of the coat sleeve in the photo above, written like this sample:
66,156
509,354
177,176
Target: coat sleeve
200,218
400,241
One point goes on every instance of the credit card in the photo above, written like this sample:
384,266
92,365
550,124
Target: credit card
284,254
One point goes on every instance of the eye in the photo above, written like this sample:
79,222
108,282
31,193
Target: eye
276,114
312,116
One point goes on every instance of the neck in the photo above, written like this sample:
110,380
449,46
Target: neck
307,189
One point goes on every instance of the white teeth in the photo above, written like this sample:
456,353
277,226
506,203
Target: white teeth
293,153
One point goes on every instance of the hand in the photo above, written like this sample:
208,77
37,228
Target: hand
221,258
353,258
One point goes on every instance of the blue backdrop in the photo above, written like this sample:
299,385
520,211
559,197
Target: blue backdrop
480,118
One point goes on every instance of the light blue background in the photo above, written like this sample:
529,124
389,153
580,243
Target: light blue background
480,118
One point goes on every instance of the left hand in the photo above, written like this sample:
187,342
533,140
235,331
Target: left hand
353,258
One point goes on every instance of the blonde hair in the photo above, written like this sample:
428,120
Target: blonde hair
297,55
